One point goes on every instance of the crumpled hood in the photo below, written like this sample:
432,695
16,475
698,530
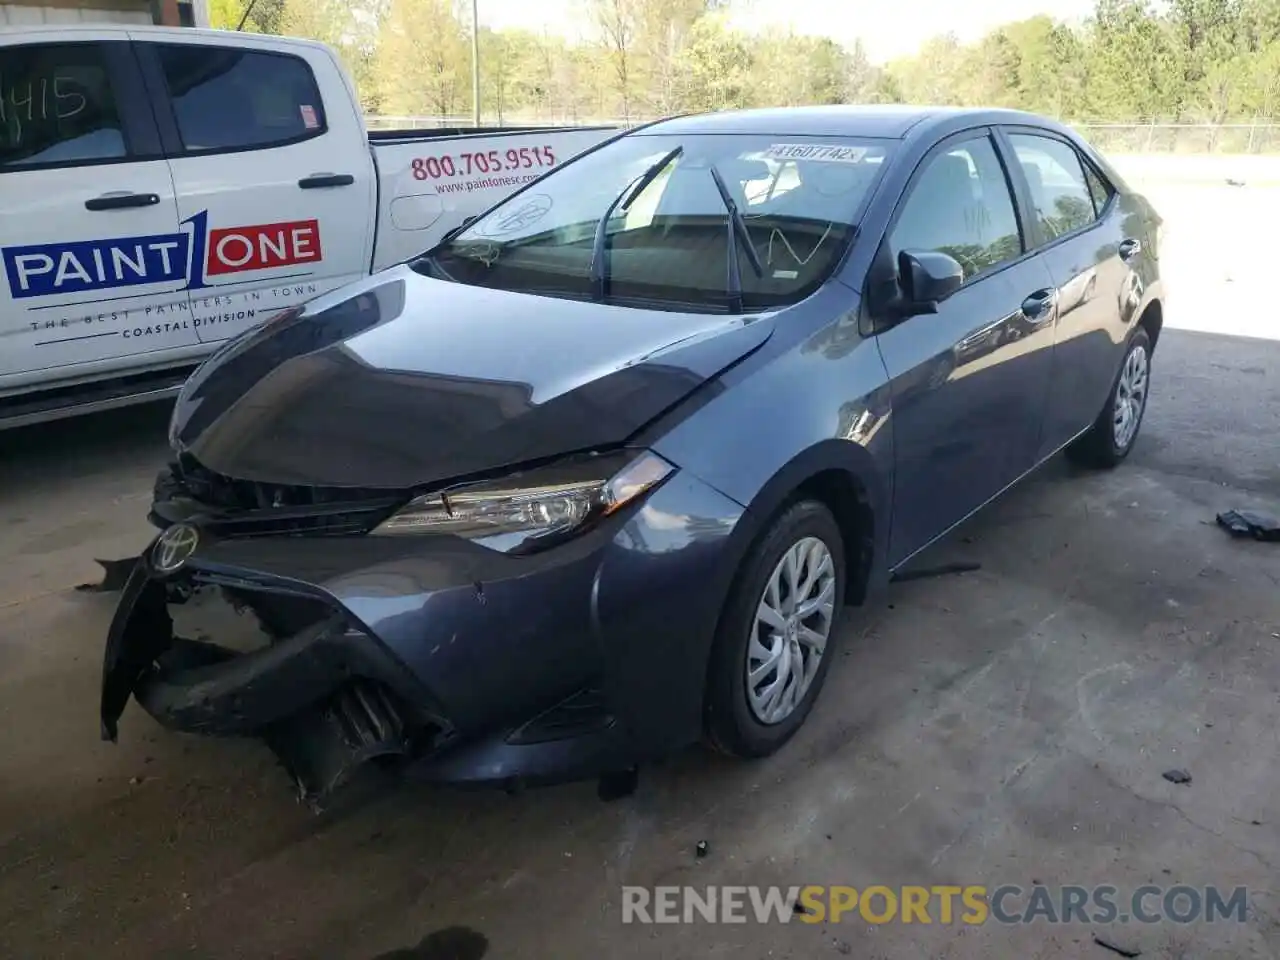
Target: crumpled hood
402,380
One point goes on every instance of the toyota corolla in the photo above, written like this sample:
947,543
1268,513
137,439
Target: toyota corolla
594,478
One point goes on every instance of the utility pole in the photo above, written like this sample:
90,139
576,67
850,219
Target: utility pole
475,64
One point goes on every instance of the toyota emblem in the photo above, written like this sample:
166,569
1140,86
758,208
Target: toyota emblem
175,547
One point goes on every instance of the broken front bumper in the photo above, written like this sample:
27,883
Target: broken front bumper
471,665
324,698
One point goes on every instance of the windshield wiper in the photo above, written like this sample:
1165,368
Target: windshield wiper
600,248
737,233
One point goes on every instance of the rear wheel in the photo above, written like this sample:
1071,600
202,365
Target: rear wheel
1112,435
772,649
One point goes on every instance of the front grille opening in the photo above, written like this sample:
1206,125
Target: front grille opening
243,621
229,493
209,616
247,508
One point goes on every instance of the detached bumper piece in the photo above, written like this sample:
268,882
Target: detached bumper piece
323,698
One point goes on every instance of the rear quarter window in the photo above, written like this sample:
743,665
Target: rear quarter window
227,99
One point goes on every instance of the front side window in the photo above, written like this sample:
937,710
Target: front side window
1059,190
961,206
667,238
229,99
57,107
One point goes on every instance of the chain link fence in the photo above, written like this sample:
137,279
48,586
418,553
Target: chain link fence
1261,137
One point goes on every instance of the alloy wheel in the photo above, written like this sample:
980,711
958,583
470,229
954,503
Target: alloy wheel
1131,397
790,632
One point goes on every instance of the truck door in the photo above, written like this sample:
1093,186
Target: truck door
274,181
94,263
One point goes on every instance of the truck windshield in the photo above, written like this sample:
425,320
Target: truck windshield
669,230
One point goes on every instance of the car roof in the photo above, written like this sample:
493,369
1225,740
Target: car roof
890,121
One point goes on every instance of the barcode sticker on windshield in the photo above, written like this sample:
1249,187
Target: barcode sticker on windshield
828,153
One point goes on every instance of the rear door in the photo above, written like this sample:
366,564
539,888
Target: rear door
968,382
1089,250
94,263
274,178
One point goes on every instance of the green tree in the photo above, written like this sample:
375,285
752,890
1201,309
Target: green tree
718,67
422,65
618,24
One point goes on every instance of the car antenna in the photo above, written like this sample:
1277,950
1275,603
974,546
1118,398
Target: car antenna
599,249
737,232
247,10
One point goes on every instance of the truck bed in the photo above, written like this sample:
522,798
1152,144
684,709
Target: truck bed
453,133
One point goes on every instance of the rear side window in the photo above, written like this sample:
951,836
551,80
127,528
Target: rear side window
1059,190
961,206
226,99
57,107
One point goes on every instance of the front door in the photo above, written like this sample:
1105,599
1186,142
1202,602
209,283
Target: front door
89,239
275,183
968,382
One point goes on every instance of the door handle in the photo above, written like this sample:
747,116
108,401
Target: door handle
121,201
1129,249
1039,305
318,181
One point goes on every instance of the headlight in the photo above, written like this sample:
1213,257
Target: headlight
532,509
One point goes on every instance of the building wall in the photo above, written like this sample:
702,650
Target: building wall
56,12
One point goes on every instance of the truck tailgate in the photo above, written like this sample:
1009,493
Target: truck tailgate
428,184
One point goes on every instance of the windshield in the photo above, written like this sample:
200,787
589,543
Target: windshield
668,239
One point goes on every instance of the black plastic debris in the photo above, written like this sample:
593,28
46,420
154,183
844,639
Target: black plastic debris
939,571
1177,776
1246,523
115,573
1115,947
702,849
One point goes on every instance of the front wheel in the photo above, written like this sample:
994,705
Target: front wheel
772,648
1112,435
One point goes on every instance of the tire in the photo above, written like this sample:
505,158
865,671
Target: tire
1105,445
734,724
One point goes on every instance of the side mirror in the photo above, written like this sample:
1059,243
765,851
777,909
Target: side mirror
927,277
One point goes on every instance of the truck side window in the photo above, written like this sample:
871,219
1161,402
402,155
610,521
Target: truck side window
56,107
226,99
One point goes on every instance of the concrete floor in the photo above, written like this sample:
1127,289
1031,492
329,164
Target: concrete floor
1003,726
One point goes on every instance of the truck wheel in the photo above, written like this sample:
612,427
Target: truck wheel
1112,435
773,646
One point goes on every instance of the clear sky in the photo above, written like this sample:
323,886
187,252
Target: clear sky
887,28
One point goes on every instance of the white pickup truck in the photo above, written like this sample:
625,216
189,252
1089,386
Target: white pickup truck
162,190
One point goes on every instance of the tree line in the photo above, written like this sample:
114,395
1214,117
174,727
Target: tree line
1207,61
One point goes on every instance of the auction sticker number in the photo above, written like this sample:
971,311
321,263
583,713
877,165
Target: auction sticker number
828,153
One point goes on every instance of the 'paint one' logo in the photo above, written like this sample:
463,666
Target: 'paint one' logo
193,255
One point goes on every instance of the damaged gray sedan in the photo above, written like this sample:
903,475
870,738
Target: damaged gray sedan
594,478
